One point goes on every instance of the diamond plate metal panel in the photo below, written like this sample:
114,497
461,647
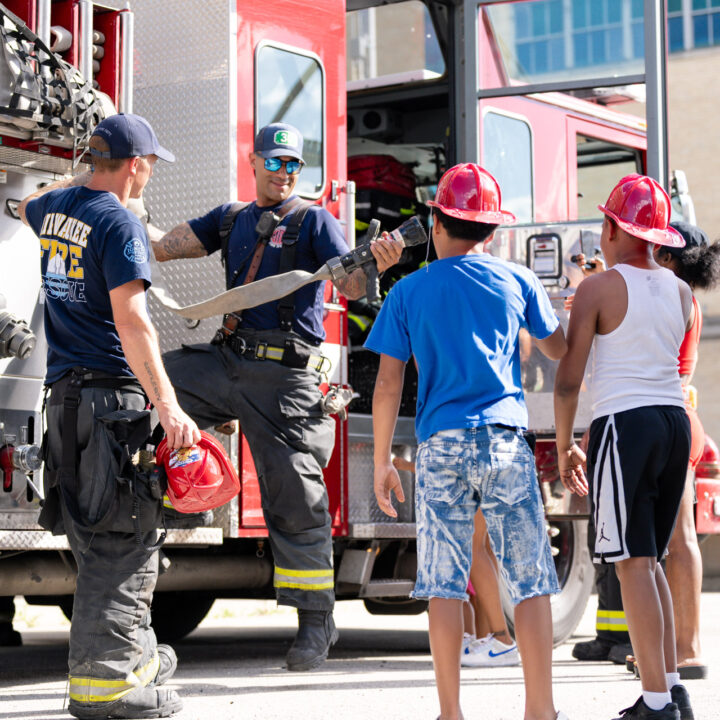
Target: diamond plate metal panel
43,540
362,505
182,88
32,540
369,531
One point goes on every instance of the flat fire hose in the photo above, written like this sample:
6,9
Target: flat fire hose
238,298
275,287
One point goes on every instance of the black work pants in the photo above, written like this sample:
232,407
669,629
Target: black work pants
291,440
113,648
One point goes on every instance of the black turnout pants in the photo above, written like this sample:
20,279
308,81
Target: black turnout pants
291,441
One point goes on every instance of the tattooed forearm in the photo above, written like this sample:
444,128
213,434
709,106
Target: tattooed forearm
353,286
153,383
180,242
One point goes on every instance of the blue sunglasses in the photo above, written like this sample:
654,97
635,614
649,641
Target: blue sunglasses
292,167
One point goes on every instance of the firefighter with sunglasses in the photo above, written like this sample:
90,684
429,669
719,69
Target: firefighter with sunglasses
264,369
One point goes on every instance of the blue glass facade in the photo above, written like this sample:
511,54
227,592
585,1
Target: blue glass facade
552,36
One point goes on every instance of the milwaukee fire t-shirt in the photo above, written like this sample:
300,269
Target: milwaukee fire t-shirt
89,244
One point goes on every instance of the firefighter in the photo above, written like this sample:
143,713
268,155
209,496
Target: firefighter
264,368
103,365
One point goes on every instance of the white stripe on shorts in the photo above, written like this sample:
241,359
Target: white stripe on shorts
609,499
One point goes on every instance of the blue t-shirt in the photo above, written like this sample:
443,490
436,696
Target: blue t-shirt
320,239
90,244
460,318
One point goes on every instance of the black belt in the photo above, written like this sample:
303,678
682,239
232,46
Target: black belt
292,354
511,428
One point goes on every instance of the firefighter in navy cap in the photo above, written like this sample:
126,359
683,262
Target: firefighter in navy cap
264,368
103,366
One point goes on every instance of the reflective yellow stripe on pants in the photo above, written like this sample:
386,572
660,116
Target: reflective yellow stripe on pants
303,579
613,620
96,690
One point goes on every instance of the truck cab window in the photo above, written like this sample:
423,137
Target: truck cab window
507,154
392,44
599,165
290,87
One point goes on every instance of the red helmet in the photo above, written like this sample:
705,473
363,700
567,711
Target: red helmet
469,192
199,477
640,206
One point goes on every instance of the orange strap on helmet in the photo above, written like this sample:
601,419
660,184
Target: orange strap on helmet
469,192
641,207
200,477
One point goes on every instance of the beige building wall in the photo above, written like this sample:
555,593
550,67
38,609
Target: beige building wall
694,129
694,139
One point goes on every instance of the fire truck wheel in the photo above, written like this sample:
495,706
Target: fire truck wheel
177,614
575,575
174,615
395,606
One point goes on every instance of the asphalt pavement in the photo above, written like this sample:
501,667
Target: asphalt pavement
231,667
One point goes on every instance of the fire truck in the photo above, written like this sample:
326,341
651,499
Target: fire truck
373,85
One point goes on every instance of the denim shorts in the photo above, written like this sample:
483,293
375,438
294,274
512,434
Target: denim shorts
492,468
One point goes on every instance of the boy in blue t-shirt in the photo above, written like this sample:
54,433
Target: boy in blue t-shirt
460,319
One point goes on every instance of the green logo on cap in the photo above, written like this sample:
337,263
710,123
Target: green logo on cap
285,137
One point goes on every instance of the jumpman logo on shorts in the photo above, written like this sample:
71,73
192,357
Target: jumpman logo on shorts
602,534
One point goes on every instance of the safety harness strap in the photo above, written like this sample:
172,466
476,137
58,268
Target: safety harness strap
286,305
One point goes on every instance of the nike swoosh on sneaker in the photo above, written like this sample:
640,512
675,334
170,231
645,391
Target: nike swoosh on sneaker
502,652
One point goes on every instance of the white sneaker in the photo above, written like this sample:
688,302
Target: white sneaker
467,639
489,652
561,716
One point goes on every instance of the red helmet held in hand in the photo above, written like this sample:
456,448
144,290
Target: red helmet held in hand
469,192
640,206
199,477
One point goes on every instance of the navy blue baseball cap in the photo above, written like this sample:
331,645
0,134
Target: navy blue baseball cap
694,237
278,139
129,136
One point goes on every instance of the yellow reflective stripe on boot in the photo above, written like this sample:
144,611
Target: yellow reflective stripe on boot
303,579
613,620
95,690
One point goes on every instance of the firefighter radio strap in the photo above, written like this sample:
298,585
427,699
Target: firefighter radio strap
266,226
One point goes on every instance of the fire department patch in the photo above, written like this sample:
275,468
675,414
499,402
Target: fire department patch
277,236
184,456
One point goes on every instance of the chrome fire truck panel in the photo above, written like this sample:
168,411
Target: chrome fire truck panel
182,86
548,250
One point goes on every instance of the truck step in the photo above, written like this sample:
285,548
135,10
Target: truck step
388,588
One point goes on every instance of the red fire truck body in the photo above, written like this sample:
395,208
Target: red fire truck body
208,75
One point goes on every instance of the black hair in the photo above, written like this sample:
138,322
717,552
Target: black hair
698,266
464,229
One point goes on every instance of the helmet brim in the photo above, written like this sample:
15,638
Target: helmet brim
668,237
501,217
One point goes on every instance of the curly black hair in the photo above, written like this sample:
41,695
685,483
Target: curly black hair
700,266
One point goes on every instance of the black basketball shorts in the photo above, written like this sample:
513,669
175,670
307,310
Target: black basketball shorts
637,463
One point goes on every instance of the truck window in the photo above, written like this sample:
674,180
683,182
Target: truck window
507,154
600,164
392,44
290,87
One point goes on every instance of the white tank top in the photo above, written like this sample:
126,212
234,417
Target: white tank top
637,363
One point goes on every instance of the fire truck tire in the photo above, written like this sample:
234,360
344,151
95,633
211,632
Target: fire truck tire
575,575
395,606
174,615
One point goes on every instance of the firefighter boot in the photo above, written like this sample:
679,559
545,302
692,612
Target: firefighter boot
143,702
168,664
315,636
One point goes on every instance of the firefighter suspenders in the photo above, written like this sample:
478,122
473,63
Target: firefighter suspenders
267,224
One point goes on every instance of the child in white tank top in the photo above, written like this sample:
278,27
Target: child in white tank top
633,317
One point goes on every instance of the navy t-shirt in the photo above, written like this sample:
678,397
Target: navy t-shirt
320,239
90,244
